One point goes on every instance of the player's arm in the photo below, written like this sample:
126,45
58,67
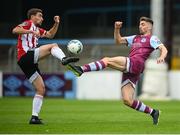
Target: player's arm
20,30
117,36
51,33
163,53
24,28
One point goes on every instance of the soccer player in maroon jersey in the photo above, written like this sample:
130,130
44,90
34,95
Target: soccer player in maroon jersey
28,54
132,66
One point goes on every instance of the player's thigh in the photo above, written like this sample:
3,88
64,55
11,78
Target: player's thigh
128,93
38,84
118,63
45,50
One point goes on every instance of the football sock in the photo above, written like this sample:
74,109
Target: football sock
37,103
139,106
57,52
94,66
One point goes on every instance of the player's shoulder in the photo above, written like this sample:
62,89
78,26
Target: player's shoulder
155,41
154,37
26,23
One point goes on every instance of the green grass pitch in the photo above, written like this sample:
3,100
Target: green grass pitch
73,116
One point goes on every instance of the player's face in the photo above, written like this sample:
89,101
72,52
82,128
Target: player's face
38,18
143,27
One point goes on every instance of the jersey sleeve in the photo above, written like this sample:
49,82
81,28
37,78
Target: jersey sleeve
42,32
26,25
130,39
155,42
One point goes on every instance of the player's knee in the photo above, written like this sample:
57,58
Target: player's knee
127,101
106,60
54,45
41,90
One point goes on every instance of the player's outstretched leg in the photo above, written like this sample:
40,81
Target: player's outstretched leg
128,99
118,63
93,66
55,51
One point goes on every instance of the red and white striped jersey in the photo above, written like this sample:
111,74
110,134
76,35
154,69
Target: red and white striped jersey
28,41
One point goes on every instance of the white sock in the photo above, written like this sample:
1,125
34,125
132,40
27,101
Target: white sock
57,52
37,103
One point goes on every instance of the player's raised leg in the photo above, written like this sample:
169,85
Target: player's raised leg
118,63
54,50
128,99
38,100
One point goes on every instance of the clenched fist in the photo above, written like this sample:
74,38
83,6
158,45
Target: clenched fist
118,25
160,60
57,19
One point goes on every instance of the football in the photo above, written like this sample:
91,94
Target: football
75,47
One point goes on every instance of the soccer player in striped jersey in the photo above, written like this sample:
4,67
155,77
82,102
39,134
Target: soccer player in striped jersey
28,54
132,66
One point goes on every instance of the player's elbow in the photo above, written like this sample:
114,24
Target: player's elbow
117,41
164,50
14,31
50,35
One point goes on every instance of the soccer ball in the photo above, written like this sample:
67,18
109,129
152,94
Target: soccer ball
75,47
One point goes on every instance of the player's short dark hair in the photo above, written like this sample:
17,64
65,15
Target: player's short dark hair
146,19
33,11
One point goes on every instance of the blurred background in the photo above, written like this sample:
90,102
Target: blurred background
92,22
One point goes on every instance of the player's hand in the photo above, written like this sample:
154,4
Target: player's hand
118,25
56,19
160,60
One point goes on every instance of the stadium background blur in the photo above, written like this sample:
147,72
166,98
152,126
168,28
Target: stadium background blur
92,22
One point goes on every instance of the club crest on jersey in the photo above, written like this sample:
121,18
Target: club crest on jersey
143,40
